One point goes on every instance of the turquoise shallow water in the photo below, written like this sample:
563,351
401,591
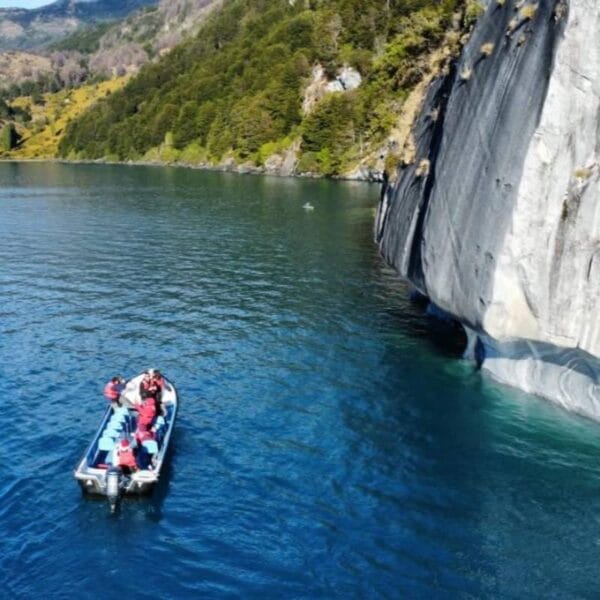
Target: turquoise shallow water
330,444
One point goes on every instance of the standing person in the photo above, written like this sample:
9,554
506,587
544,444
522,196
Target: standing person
160,384
148,387
158,378
113,389
146,413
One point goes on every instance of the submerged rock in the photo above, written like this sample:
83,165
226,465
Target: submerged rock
502,229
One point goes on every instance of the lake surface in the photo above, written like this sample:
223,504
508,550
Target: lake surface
330,442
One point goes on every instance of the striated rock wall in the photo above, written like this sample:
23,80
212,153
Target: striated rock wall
497,221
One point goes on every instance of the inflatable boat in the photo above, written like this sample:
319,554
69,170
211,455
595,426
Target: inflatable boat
98,471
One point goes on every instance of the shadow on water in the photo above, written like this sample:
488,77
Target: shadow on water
445,336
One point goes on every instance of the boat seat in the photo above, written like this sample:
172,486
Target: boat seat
112,431
120,423
151,446
125,418
101,460
106,443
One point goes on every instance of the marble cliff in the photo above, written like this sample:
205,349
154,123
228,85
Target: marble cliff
496,219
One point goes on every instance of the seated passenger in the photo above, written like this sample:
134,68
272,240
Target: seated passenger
145,460
126,457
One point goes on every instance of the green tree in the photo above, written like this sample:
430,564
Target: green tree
163,122
220,137
252,126
5,110
206,115
37,98
329,131
10,138
185,130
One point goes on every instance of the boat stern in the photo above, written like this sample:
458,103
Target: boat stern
91,481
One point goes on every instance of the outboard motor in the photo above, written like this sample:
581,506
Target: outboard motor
113,487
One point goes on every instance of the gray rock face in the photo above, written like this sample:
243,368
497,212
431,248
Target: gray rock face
347,79
497,222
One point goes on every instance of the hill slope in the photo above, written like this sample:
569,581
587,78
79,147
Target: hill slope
103,49
28,29
324,79
49,114
146,35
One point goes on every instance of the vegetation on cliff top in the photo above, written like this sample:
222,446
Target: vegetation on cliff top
236,89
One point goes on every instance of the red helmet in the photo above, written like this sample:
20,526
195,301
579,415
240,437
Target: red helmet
124,443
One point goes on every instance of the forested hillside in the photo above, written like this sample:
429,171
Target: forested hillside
323,80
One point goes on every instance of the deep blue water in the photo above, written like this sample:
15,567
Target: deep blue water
330,443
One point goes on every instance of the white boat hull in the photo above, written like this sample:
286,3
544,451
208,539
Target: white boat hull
92,470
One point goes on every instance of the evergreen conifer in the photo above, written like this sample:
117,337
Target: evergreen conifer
9,136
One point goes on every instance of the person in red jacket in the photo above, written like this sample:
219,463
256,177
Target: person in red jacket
148,387
146,413
160,385
126,457
158,379
113,389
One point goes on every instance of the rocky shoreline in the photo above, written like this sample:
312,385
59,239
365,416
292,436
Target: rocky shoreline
360,174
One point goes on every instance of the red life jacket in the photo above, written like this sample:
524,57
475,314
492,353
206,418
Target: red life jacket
146,412
126,458
110,391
